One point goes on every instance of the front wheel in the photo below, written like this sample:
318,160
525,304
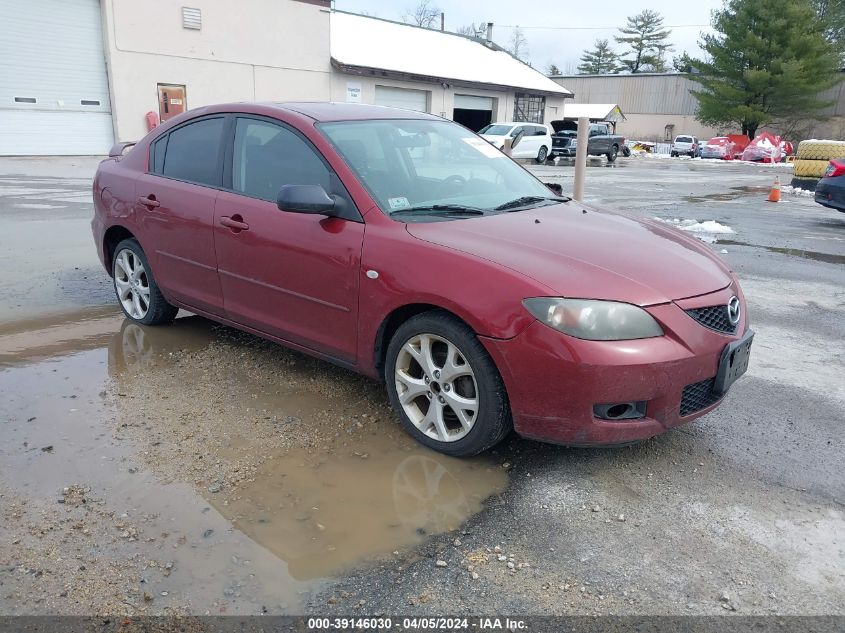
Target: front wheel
612,154
542,154
444,386
137,292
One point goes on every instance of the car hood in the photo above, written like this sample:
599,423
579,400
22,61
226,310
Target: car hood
579,251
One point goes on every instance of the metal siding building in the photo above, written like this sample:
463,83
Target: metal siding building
661,106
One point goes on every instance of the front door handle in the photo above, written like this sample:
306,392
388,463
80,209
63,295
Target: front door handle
149,201
236,223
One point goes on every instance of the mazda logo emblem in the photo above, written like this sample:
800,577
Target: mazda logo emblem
733,310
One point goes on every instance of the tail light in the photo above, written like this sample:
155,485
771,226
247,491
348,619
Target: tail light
834,168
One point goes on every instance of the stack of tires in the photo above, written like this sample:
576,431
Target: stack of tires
812,159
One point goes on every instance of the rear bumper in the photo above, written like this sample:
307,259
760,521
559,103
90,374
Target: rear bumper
554,381
830,192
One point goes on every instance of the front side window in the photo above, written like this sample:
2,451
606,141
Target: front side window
434,167
193,152
267,156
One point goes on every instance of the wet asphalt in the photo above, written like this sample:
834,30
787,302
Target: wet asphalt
739,512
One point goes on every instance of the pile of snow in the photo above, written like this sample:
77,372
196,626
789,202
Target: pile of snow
705,231
796,191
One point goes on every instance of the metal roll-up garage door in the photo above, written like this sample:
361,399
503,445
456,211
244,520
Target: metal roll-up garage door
54,91
402,98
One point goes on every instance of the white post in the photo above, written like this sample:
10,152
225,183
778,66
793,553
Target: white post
581,158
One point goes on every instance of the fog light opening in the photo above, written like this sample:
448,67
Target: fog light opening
620,410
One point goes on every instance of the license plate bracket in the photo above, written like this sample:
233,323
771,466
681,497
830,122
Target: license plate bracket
733,363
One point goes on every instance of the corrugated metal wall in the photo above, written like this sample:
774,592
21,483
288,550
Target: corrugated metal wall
658,94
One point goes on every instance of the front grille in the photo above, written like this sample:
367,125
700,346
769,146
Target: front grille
698,396
714,317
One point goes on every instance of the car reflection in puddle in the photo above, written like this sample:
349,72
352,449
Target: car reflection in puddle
341,501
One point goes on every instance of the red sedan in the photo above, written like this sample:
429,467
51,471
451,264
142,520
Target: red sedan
409,249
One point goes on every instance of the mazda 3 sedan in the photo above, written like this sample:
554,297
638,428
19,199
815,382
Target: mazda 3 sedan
405,247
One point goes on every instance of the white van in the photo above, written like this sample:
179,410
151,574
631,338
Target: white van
536,142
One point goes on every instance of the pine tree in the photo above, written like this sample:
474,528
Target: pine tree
767,62
553,70
832,13
648,43
599,61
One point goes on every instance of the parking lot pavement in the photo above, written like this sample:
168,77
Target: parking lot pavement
199,469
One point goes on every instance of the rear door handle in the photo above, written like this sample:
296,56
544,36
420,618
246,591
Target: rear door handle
149,201
236,223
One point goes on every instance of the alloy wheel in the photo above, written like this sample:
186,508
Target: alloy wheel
132,284
436,387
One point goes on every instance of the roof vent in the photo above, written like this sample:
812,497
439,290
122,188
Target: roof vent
191,18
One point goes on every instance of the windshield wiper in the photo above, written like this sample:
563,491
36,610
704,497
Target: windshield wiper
441,209
526,200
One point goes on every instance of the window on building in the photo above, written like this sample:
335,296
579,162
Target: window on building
528,107
193,152
267,156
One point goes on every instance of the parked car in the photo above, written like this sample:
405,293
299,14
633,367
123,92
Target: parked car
404,247
536,140
686,145
718,147
830,190
600,140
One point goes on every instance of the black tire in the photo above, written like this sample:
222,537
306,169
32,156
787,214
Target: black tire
492,420
674,154
612,154
542,155
626,151
159,311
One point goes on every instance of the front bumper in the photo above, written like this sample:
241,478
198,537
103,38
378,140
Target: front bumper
553,380
569,152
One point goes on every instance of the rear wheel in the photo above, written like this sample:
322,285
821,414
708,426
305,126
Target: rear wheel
542,154
444,386
136,290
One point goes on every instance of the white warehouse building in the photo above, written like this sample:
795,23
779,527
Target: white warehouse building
79,75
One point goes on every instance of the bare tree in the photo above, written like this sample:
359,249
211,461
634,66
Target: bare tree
425,14
473,30
518,45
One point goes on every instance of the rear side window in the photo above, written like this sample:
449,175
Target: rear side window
193,152
157,155
267,156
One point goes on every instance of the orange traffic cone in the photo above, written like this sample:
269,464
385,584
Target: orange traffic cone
774,194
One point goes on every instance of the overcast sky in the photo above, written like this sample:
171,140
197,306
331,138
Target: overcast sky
573,22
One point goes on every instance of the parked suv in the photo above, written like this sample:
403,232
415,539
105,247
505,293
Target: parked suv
686,145
536,141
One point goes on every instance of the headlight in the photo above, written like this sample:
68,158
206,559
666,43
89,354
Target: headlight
594,320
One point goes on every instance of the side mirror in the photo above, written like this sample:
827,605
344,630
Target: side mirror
305,199
517,138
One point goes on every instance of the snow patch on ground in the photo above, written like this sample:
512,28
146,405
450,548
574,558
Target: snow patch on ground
705,231
796,191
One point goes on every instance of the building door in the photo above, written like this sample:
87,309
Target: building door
54,90
473,112
402,98
171,101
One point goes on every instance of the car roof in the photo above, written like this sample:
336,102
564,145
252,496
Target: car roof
338,111
512,123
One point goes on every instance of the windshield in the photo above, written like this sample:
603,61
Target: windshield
496,130
437,167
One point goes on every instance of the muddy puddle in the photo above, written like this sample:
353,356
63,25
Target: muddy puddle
219,471
828,258
733,193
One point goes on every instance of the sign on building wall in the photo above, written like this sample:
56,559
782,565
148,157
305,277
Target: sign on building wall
353,92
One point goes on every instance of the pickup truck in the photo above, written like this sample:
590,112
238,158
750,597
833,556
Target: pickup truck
600,141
